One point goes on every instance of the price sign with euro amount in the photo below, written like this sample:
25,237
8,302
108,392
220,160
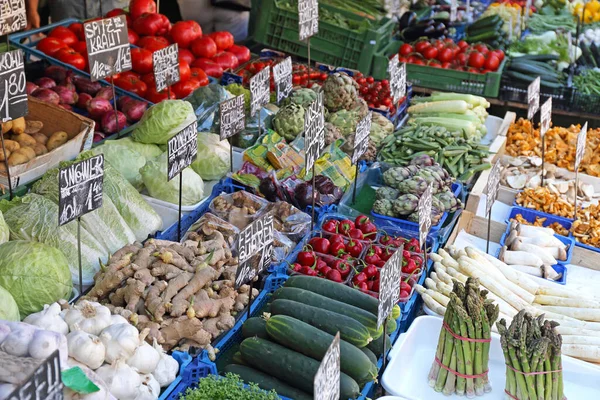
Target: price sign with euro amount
232,117
327,379
308,18
361,137
493,184
453,10
282,75
165,63
389,286
13,95
12,16
424,212
182,150
80,188
533,98
314,132
256,239
397,73
545,117
108,48
581,141
260,90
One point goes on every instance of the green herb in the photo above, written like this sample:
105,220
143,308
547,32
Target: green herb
228,387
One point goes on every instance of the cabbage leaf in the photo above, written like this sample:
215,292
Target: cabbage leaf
9,310
164,120
4,232
212,162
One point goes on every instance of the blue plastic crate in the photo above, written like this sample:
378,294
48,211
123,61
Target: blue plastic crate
184,359
194,371
558,218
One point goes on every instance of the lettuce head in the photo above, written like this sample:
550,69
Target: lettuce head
9,310
212,162
4,232
164,120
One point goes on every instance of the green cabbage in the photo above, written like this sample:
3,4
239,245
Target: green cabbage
4,232
154,175
149,151
34,274
35,218
9,310
212,162
164,120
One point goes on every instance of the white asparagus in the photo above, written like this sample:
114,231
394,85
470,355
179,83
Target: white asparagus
533,231
584,352
520,257
552,289
535,271
565,302
457,275
447,259
433,305
583,314
430,284
435,257
439,283
442,288
483,264
549,273
541,252
437,296
543,240
576,339
442,273
567,330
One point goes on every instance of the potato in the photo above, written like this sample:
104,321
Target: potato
39,149
11,145
18,126
40,138
25,140
2,167
33,127
2,155
28,151
21,156
6,126
56,140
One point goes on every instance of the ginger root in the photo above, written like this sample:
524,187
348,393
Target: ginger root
202,277
184,328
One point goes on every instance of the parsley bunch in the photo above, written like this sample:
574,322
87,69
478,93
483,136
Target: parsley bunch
230,387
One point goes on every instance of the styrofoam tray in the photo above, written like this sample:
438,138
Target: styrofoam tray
406,374
492,124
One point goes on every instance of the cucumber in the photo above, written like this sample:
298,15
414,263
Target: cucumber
396,312
316,300
255,326
376,346
538,57
331,322
266,382
483,22
314,343
532,69
370,354
391,325
483,36
529,79
238,359
291,367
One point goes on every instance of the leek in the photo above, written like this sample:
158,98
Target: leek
463,117
469,98
450,106
455,125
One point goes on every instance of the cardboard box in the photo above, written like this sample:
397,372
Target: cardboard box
80,129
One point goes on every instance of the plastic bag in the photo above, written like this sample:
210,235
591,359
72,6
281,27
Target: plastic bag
239,208
205,102
208,223
289,221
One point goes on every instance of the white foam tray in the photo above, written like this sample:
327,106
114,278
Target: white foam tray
406,374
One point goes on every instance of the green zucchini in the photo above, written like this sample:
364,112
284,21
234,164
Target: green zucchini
238,359
391,325
291,367
266,382
483,22
538,57
255,326
313,342
530,69
316,300
376,346
529,79
370,354
331,322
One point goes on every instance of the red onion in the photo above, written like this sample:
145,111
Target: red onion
30,87
46,83
47,95
57,73
98,107
84,85
67,96
105,93
84,100
109,122
134,110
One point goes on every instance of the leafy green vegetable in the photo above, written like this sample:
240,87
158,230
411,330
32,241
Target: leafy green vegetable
34,274
154,175
164,120
148,151
226,388
9,310
4,232
547,43
212,161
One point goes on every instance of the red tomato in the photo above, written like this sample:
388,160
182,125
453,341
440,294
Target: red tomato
204,47
492,63
405,49
242,53
461,59
199,75
132,36
485,71
166,25
403,59
434,64
446,65
149,24
141,60
498,53
185,32
81,48
156,97
419,62
223,39
184,89
474,70
132,83
148,79
71,57
50,46
226,60
65,34
476,60
210,67
77,29
430,53
421,45
153,43
438,44
184,71
445,55
119,11
186,55
462,44
482,48
139,7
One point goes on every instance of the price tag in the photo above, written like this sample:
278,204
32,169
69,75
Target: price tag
453,10
183,149
108,48
361,137
424,212
13,96
232,117
533,98
545,117
12,16
327,378
511,28
165,63
282,75
44,382
260,90
493,184
314,132
389,286
80,188
468,9
256,238
397,73
527,9
308,18
581,142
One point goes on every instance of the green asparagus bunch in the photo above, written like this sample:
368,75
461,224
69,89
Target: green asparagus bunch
532,345
469,314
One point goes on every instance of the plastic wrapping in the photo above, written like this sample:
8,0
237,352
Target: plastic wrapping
289,221
210,222
239,208
205,101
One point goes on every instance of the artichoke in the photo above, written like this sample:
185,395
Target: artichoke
345,121
289,121
405,204
377,134
383,122
415,185
388,193
423,160
303,97
340,92
361,108
393,176
413,217
332,133
448,201
383,207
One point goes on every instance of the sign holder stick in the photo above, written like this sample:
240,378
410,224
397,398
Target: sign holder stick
308,40
112,82
169,91
79,255
179,220
231,155
543,156
384,346
487,245
10,191
355,183
312,221
250,297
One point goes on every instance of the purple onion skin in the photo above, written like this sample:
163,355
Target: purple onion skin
31,87
56,72
84,85
45,82
84,100
47,96
105,93
134,110
98,107
67,96
66,107
122,101
109,122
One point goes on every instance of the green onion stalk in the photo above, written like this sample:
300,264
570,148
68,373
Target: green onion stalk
531,348
461,366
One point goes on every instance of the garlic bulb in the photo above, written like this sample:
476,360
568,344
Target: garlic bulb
44,343
120,341
4,332
122,381
117,319
102,394
146,358
149,389
91,317
167,368
17,342
86,348
49,319
71,362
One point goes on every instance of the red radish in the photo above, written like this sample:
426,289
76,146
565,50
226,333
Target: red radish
98,107
134,110
226,60
84,100
30,87
109,121
241,52
47,95
67,96
56,73
105,93
45,82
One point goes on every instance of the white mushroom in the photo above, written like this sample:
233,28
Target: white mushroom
517,181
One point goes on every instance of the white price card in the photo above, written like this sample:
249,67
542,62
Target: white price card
533,98
308,18
314,132
13,93
397,74
256,239
12,16
282,75
545,117
165,63
327,379
182,150
424,213
581,143
232,117
260,90
389,286
80,188
361,137
493,184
